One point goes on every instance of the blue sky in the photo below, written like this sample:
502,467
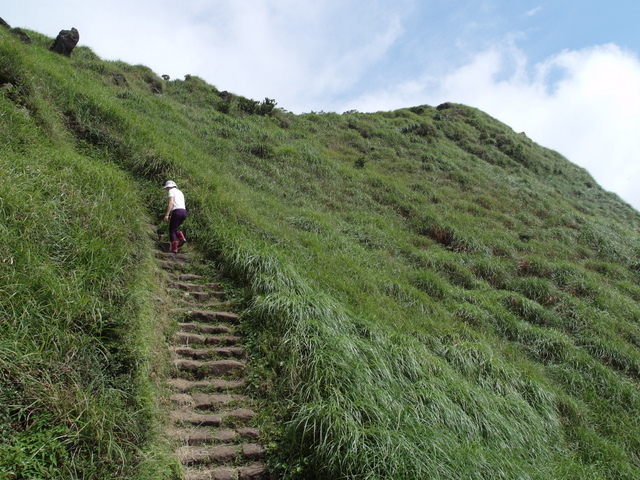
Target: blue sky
566,72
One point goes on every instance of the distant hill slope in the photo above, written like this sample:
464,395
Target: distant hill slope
429,294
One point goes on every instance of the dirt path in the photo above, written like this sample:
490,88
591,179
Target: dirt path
212,419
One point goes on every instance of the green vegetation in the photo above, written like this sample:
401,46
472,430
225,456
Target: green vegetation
428,293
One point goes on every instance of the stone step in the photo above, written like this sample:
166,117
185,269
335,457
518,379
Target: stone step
220,454
204,401
196,419
173,257
189,277
192,436
208,316
215,367
184,338
215,384
256,471
213,316
213,303
203,435
163,246
204,328
168,265
205,354
187,287
202,297
238,416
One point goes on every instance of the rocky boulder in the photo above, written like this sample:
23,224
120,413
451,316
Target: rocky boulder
16,31
65,42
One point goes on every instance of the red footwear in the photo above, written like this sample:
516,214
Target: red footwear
181,239
174,247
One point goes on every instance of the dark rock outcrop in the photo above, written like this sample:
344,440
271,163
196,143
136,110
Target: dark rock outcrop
65,42
21,35
445,106
120,80
16,31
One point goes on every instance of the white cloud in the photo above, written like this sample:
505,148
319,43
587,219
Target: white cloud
585,104
299,53
593,115
533,11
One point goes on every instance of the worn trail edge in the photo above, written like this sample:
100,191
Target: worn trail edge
211,421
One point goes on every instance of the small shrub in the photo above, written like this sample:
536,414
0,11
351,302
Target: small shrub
247,105
425,130
253,107
531,311
431,283
452,269
266,106
360,162
223,107
473,315
260,150
540,290
418,110
491,270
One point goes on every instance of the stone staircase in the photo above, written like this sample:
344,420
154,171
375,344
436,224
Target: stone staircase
212,419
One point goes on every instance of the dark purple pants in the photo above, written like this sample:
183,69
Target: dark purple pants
177,217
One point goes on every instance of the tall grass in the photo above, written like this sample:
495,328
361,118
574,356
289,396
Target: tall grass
75,303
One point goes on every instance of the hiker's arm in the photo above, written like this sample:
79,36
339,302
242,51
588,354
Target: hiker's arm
169,208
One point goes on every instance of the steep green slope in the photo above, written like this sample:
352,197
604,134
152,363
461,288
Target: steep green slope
430,295
74,295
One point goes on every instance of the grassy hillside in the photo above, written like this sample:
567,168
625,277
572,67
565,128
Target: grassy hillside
429,294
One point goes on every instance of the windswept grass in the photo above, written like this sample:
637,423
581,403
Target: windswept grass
75,302
429,294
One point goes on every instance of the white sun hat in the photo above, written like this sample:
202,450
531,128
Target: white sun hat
169,184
